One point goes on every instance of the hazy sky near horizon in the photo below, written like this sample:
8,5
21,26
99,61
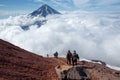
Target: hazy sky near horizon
16,7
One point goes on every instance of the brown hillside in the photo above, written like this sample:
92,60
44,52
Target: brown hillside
18,64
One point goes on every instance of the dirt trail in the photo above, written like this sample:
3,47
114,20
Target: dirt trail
96,71
69,72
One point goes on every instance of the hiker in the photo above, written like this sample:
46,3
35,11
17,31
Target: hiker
69,57
75,57
56,54
47,55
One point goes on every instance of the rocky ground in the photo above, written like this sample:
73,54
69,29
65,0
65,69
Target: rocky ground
18,64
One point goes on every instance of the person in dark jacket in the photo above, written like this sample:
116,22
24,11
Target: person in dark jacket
75,57
56,54
69,57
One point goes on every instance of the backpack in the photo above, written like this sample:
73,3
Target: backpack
75,57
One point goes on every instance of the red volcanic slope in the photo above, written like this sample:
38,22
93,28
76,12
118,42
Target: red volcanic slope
18,64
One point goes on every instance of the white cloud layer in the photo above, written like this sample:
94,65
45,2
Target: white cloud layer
6,13
93,36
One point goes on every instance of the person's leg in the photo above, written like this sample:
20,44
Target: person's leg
75,62
70,61
67,61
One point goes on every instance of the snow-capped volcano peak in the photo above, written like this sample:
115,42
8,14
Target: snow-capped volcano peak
44,10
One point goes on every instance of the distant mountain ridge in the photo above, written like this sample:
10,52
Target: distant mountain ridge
44,11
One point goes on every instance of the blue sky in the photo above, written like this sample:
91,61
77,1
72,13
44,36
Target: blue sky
16,7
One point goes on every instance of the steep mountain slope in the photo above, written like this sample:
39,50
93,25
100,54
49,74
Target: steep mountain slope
44,10
18,64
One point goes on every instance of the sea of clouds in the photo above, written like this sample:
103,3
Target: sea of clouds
92,35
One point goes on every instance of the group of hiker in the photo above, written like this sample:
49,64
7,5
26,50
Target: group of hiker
71,57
